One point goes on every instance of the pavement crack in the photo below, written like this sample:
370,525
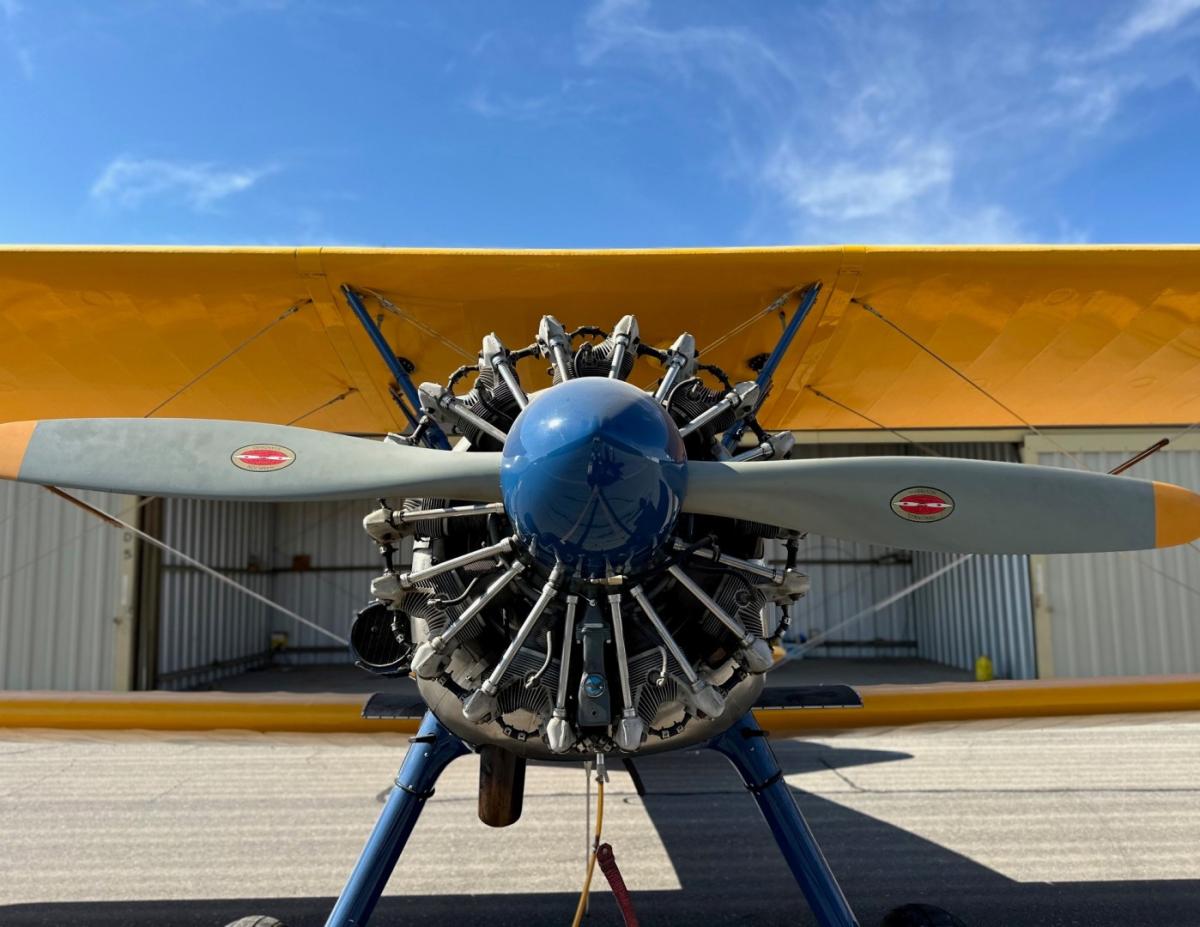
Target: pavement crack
4,754
837,772
183,780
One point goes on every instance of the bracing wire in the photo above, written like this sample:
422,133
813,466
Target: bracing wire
966,379
287,313
57,548
1191,427
112,520
144,501
417,323
1032,427
895,597
349,391
746,323
192,561
892,599
867,418
1163,573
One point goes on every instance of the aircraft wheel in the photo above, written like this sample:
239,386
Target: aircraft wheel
256,920
920,915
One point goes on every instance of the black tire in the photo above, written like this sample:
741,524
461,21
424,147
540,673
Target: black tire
256,920
920,915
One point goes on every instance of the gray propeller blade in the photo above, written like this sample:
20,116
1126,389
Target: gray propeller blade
234,460
942,504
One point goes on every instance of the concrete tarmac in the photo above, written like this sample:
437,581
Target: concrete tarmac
1091,822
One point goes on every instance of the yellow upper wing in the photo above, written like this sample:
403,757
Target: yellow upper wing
1063,336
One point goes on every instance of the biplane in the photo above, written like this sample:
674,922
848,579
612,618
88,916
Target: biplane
587,506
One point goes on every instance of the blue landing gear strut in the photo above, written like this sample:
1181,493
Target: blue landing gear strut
432,750
745,746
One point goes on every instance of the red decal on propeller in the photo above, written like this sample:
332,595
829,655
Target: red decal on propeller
263,457
922,503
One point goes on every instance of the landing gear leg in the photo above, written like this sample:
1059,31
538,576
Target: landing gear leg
745,745
432,750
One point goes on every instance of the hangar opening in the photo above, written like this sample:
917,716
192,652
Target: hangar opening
130,617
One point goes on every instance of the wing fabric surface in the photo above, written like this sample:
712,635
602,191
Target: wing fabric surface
980,506
1066,336
196,458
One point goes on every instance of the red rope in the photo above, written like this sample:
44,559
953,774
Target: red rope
608,865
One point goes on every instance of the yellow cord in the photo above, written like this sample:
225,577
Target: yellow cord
587,882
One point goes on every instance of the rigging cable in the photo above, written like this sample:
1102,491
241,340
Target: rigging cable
146,500
326,404
880,425
287,313
962,376
418,324
91,526
290,311
885,602
192,561
959,561
742,326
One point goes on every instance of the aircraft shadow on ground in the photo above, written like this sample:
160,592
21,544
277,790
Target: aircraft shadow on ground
729,870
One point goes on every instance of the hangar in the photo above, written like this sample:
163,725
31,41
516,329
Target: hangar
84,605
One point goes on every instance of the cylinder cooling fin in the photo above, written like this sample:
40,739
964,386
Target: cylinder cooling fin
586,613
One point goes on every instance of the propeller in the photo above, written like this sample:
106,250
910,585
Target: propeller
945,504
938,504
234,460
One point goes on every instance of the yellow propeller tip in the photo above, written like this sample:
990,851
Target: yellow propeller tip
1176,515
14,442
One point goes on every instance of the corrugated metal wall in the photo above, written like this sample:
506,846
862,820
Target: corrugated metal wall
315,559
1121,614
311,557
847,578
980,607
341,561
983,606
207,629
61,590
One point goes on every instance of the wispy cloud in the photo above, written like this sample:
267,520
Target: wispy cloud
905,194
128,182
747,61
22,54
863,122
847,189
508,106
1150,18
562,102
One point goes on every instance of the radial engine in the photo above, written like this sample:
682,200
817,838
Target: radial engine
585,613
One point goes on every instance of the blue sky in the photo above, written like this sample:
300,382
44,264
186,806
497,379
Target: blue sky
611,124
